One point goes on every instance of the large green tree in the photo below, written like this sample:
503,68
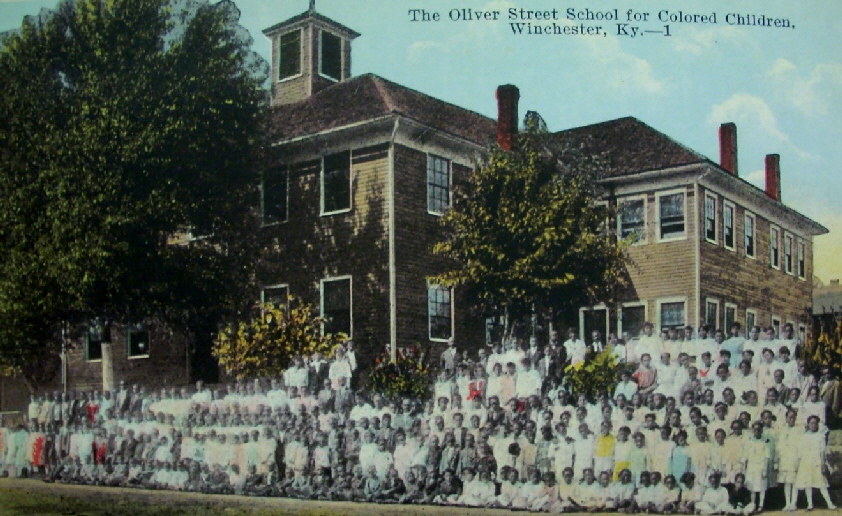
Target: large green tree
125,126
527,233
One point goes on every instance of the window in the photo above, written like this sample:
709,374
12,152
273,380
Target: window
788,253
776,324
749,235
336,306
775,247
631,320
712,313
275,295
95,334
631,220
439,312
710,218
802,264
290,55
671,213
438,184
275,195
137,338
672,314
751,320
730,316
336,183
590,320
728,225
330,63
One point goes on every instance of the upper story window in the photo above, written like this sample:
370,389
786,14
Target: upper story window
671,213
336,183
289,56
276,295
330,62
728,225
788,259
802,260
631,220
749,235
775,247
275,195
438,184
336,306
440,312
710,218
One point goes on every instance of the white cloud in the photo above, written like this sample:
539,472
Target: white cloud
753,112
418,48
827,249
699,41
808,93
471,36
622,70
756,177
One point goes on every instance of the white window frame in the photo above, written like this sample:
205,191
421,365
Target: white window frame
341,56
644,235
788,256
667,300
801,259
748,326
658,238
269,287
726,325
601,306
718,303
750,216
452,315
430,157
632,304
136,328
350,300
725,205
350,207
263,198
715,239
300,55
772,240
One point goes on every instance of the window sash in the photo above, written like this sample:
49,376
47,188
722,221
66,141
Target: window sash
440,312
672,314
730,317
632,220
749,236
137,339
672,215
728,226
336,306
331,56
712,313
336,182
802,265
774,248
710,218
788,253
632,319
438,184
275,195
289,55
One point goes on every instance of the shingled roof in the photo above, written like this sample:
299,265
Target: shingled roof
367,97
629,146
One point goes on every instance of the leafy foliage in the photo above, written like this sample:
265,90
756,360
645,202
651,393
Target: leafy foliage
408,377
124,124
594,376
264,345
527,231
824,347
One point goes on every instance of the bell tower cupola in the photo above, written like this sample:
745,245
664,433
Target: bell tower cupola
309,53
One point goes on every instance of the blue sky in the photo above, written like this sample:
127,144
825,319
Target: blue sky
783,87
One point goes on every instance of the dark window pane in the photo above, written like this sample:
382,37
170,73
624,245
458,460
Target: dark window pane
331,56
672,215
275,195
138,339
633,319
337,306
439,312
290,55
632,220
438,184
336,182
672,314
729,226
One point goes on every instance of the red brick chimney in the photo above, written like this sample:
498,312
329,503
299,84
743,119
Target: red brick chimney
507,99
773,176
728,147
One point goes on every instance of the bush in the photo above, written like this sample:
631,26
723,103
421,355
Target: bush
408,377
593,376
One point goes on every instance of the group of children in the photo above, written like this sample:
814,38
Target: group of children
671,437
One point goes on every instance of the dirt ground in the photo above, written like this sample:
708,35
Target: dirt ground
20,496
